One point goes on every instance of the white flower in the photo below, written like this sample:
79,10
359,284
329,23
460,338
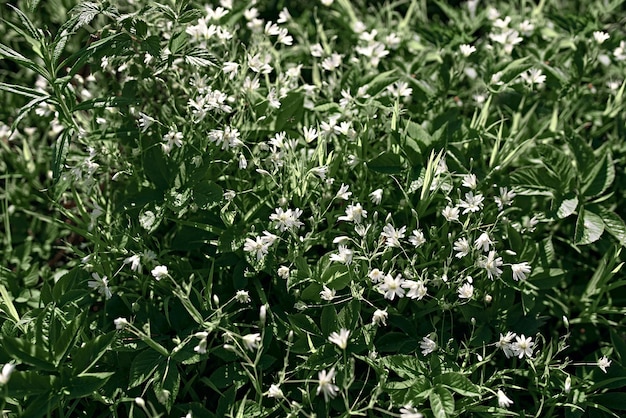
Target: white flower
376,196
135,262
466,291
242,296
427,345
101,284
392,287
344,255
286,219
417,290
471,203
331,63
393,235
275,391
327,293
503,400
620,52
159,272
343,192
283,272
467,50
469,181
505,198
533,76
145,121
505,344
354,213
451,213
120,323
417,238
603,363
600,36
523,346
376,275
327,2
320,171
380,317
310,134
491,264
326,384
483,241
408,411
7,369
462,247
341,338
259,246
520,270
252,341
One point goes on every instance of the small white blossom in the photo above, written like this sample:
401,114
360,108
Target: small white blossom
469,181
343,192
393,235
380,317
340,339
533,76
252,341
376,196
520,271
326,384
120,323
427,346
242,296
466,291
451,213
392,287
327,293
471,203
603,363
467,50
275,391
506,344
159,272
408,411
416,289
417,238
491,263
503,400
101,284
600,36
344,255
483,242
462,247
523,346
283,272
376,275
354,213
286,220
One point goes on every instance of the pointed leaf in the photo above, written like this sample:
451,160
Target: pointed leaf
387,163
589,227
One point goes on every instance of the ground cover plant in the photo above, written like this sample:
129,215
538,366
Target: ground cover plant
337,208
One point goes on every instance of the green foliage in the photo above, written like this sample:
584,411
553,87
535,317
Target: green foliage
331,209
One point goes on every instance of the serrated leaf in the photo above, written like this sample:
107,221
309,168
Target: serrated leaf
589,227
143,367
387,163
614,225
167,385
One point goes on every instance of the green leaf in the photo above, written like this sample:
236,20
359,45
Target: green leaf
458,383
612,400
600,178
382,80
143,367
439,404
227,375
328,319
178,42
614,225
23,91
567,205
31,382
87,355
291,111
86,384
27,352
405,366
152,45
589,227
387,163
65,341
166,385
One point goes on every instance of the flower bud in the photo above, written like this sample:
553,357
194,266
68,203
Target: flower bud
568,384
263,315
140,402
